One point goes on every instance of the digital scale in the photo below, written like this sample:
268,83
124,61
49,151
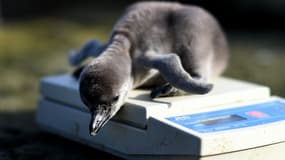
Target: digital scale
236,121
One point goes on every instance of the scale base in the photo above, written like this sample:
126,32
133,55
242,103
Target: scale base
273,151
140,130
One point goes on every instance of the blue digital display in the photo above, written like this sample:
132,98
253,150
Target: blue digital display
233,118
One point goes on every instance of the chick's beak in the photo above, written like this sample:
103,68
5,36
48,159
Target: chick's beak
99,118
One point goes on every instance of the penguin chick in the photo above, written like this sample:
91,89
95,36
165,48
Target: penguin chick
164,46
104,84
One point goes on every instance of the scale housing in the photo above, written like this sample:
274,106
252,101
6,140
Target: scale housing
234,121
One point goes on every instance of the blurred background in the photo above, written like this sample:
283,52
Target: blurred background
35,37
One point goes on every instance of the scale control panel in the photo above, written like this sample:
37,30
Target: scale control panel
233,118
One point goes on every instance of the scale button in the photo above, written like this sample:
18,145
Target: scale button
256,114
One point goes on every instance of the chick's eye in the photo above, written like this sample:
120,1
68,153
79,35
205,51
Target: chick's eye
115,99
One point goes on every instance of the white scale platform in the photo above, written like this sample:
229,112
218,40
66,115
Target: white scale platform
234,121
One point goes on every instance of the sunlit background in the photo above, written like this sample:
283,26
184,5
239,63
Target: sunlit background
36,35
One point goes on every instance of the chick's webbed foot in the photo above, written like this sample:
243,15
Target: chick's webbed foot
165,90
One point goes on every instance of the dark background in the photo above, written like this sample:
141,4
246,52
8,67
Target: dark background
236,14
